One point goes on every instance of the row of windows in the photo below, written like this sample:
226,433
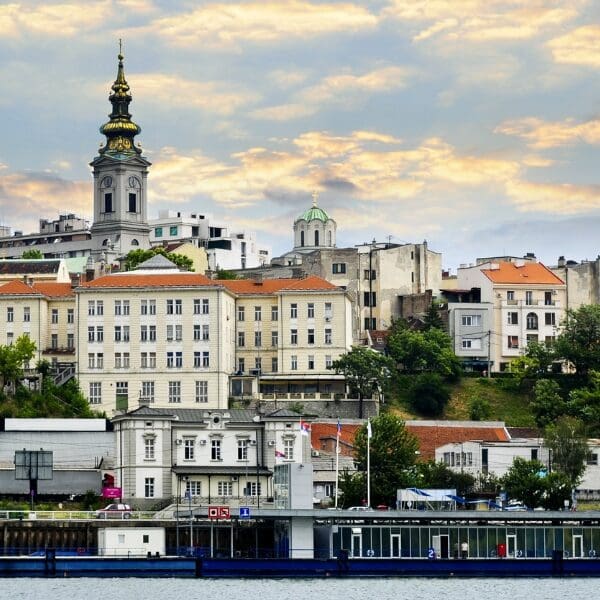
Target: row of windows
548,297
513,340
174,360
132,203
310,338
224,488
310,363
531,320
201,306
148,390
173,231
10,315
310,312
148,333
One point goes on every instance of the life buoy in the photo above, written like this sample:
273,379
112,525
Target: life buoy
80,551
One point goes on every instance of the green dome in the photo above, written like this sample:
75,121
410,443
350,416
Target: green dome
314,213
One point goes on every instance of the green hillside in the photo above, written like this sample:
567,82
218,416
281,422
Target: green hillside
507,402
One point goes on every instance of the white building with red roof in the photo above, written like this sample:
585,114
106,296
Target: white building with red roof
511,304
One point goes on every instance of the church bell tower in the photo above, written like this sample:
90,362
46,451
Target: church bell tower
120,180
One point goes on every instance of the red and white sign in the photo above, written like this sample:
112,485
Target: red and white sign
218,512
112,492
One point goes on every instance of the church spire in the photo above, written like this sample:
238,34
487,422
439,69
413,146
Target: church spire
120,130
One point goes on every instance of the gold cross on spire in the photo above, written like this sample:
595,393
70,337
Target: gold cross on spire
315,195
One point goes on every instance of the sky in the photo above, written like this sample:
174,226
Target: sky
472,124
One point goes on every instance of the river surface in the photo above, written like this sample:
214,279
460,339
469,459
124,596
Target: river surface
302,589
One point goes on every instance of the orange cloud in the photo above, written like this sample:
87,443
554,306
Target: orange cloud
559,198
543,134
226,25
578,47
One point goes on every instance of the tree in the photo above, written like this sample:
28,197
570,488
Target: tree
567,441
418,351
33,253
224,274
136,257
547,404
479,409
432,317
352,488
536,362
525,481
365,370
584,403
433,474
428,395
13,357
392,456
579,339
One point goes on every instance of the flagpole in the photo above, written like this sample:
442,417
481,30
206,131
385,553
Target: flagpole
337,463
368,464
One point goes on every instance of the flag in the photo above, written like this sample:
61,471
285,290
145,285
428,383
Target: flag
369,432
279,454
339,429
305,428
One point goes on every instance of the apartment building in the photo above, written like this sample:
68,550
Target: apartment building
511,304
204,456
288,333
45,312
155,336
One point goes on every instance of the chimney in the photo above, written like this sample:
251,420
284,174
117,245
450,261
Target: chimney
257,278
561,261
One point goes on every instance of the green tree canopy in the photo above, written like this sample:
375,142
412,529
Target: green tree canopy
225,274
432,317
428,394
525,481
432,474
535,362
547,404
136,257
392,454
419,351
32,253
579,338
14,357
365,370
567,441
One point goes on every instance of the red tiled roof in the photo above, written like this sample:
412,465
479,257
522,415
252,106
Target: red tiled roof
17,287
52,289
131,280
329,430
530,273
431,437
272,286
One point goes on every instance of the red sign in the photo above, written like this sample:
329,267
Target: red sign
111,492
218,512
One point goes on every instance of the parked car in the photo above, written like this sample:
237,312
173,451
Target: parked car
114,511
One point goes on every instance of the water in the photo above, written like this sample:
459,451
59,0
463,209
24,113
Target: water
303,589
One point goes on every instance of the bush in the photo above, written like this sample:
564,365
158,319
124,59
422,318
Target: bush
479,409
428,395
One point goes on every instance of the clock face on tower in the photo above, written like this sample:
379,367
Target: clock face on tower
106,182
134,182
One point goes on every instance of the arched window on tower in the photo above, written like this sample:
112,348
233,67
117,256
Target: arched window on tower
329,238
135,242
316,237
302,238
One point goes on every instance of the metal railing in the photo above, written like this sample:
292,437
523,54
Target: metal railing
74,515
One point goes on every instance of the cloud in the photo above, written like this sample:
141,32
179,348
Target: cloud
558,198
578,47
542,134
55,20
28,196
482,20
344,89
170,90
225,25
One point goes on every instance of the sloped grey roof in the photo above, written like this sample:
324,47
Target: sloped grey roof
29,266
284,412
158,262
